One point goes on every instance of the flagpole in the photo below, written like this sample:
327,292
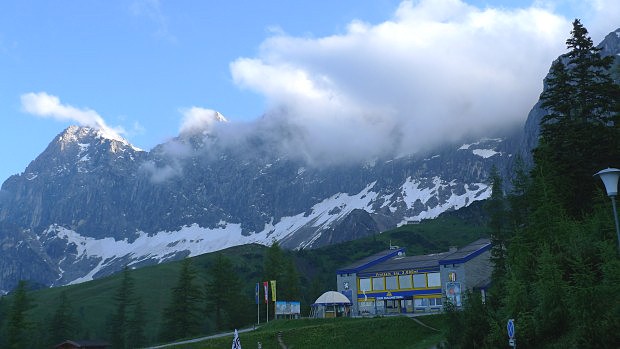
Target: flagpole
257,296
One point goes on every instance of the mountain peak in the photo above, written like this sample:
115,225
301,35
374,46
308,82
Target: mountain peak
77,134
199,120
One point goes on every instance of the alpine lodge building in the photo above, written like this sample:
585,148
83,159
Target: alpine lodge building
390,282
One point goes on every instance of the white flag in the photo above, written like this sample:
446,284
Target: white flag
236,342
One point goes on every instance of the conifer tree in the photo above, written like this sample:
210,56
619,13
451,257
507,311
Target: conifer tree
274,262
222,291
123,299
183,316
136,337
63,324
290,288
496,209
18,322
517,198
580,135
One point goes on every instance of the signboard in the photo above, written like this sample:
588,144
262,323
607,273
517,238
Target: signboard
510,326
453,292
389,298
287,308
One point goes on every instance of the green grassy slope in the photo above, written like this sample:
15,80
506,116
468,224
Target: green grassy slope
340,333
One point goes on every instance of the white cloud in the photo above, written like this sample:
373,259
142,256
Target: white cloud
196,119
48,106
437,70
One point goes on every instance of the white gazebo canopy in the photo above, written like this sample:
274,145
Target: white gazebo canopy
331,298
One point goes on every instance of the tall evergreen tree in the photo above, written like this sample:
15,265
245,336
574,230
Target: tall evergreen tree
223,291
517,198
18,323
136,337
63,324
580,135
123,299
290,289
274,262
280,266
496,209
183,316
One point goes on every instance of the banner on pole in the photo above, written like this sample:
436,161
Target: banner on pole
266,287
256,292
236,344
273,290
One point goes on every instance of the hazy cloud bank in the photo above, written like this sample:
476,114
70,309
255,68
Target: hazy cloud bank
436,71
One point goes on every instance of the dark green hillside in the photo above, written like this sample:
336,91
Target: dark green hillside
92,303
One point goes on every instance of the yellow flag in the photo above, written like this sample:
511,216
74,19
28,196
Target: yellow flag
273,290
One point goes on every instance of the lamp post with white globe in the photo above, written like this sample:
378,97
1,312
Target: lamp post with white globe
610,177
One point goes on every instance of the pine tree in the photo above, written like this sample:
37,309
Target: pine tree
222,291
136,337
517,198
581,133
18,322
123,299
63,324
274,262
183,316
496,209
290,288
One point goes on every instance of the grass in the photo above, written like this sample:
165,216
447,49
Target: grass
378,332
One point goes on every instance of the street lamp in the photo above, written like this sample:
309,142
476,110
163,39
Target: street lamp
610,177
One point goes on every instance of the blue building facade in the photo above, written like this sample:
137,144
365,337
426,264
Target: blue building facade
390,282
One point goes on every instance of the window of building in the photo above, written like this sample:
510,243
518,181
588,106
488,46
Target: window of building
405,281
365,284
434,280
420,302
366,308
419,280
434,302
391,282
378,284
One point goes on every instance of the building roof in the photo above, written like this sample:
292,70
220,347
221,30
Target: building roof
390,260
408,262
468,252
367,262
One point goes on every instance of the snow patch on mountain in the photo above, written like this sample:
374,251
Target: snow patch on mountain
485,153
161,246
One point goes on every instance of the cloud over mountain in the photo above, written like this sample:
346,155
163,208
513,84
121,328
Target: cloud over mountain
48,106
436,71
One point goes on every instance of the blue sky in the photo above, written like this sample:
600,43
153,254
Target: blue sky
148,68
